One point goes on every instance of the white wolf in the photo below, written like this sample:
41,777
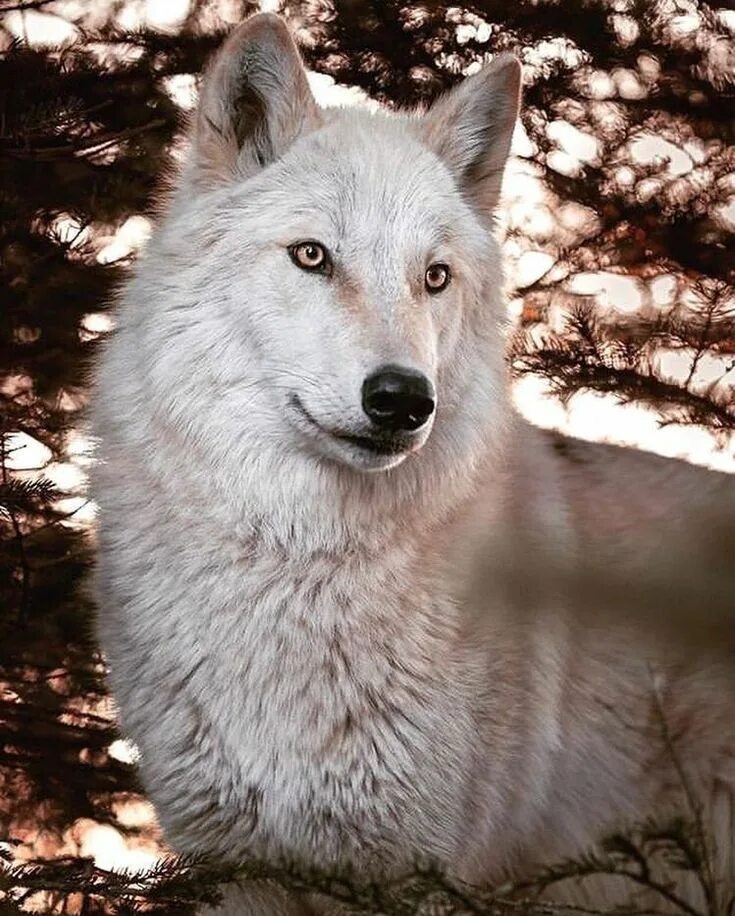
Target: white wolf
355,610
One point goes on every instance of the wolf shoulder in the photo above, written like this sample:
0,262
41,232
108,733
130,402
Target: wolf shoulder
600,528
619,495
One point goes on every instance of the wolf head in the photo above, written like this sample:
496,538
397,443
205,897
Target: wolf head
333,281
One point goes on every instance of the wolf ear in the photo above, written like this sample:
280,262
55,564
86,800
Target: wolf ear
255,101
470,129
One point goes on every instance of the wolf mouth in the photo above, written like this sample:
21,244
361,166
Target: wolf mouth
377,444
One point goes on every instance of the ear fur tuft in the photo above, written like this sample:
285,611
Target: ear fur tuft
255,101
471,127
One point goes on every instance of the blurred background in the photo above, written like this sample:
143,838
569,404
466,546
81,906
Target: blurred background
618,217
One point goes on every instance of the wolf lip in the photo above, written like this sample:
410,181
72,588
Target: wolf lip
377,444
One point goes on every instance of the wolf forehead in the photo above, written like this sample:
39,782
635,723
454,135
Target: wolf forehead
359,174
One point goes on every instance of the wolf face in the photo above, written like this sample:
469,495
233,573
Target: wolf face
349,279
336,259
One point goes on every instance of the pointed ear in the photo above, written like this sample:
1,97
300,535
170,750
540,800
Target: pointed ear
255,101
471,127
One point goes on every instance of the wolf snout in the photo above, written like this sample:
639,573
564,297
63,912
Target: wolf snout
398,399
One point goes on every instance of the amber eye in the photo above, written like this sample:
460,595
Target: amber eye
437,277
309,256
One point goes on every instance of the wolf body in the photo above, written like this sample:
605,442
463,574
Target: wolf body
354,649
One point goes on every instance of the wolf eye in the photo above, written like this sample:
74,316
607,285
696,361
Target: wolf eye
437,277
309,256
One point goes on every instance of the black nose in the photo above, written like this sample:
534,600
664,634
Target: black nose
398,399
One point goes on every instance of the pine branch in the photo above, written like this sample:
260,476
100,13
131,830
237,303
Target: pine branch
190,881
590,355
23,495
28,5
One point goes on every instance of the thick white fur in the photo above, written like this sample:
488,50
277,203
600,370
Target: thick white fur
340,661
